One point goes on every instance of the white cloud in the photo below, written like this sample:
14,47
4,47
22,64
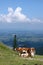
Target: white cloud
10,10
35,20
13,16
16,16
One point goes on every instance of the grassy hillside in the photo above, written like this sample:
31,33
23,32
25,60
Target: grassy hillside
10,57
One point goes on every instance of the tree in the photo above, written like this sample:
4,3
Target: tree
15,43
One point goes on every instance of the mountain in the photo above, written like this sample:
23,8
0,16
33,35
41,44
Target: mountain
24,39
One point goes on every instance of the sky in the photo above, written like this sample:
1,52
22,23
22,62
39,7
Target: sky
21,15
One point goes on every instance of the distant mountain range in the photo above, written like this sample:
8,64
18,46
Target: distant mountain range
24,40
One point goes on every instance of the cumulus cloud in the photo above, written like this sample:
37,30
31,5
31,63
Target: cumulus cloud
16,16
13,16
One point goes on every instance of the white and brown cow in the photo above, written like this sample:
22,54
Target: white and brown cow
26,52
32,52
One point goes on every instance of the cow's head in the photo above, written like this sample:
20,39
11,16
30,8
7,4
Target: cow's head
32,52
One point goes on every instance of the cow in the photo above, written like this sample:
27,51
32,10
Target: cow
26,52
32,52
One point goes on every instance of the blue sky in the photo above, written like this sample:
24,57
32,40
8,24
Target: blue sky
32,8
21,14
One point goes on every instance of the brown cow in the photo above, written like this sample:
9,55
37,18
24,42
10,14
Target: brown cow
25,52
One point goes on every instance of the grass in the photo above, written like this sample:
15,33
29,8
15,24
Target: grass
10,57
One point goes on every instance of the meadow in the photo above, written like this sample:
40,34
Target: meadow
10,57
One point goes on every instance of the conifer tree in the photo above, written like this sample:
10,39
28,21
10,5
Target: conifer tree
14,43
